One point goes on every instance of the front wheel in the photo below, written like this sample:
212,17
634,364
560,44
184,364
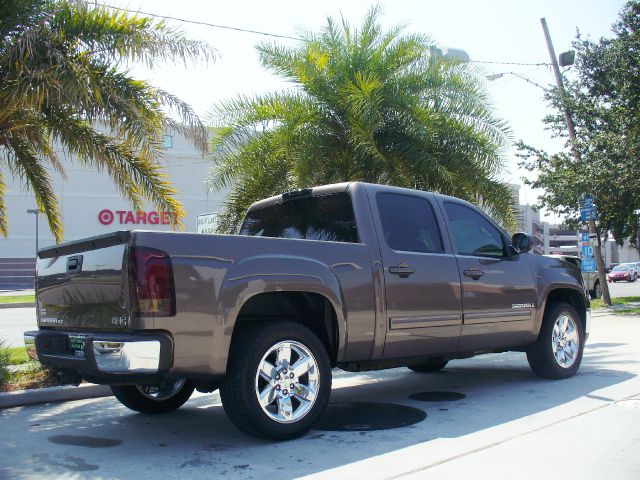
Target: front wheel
557,352
154,398
278,380
596,292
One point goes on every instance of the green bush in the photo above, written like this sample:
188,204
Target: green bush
4,363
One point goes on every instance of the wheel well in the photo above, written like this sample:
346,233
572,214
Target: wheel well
571,297
309,309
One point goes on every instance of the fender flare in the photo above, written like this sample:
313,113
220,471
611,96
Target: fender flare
277,273
550,289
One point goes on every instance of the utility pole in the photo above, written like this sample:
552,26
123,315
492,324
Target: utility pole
574,144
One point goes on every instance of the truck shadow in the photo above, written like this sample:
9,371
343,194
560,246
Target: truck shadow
198,439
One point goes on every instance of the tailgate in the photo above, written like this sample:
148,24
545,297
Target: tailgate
83,285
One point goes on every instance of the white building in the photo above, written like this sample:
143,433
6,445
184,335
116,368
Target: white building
91,205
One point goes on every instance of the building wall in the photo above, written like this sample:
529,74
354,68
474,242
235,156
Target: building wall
86,192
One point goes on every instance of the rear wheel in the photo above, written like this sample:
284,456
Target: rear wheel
278,380
428,367
557,352
597,291
154,398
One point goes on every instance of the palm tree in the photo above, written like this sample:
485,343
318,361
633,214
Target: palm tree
366,105
64,81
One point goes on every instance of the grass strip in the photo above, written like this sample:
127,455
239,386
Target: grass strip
599,303
18,298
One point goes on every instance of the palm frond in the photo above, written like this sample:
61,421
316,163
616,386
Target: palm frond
366,104
63,76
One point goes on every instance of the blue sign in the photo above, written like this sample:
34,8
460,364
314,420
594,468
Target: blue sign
584,237
587,251
587,201
589,213
589,265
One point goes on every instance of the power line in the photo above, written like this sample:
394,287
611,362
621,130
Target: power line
195,22
541,64
269,34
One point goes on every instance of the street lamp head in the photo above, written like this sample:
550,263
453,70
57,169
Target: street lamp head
33,210
494,76
567,58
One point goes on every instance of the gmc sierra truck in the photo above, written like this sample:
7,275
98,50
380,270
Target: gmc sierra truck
354,276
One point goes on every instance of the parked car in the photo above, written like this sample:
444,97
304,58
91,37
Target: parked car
591,279
635,271
353,275
621,272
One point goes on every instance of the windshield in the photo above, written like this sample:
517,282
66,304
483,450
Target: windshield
620,268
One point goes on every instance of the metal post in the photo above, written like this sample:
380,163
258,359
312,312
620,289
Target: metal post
574,144
37,223
37,213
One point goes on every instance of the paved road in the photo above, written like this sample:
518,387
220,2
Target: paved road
510,425
14,322
624,289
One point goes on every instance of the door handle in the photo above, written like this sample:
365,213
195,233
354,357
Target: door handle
473,273
402,269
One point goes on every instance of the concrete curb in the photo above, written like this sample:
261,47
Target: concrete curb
52,394
17,305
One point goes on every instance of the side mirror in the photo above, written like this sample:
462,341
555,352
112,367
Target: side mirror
521,242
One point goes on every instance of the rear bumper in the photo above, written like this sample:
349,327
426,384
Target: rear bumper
103,357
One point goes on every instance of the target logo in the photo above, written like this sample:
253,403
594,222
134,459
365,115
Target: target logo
105,216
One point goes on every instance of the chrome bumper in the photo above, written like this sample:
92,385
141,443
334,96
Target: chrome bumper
127,357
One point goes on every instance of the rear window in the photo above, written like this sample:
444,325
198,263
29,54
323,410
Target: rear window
328,217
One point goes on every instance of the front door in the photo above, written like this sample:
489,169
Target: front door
498,291
422,284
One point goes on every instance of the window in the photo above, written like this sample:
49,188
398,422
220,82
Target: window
328,218
167,141
409,223
473,233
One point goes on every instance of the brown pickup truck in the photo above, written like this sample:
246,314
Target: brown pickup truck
354,276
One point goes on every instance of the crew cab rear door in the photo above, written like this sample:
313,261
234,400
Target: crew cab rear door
498,291
422,284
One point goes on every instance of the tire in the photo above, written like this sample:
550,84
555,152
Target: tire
596,292
151,399
563,363
282,415
428,367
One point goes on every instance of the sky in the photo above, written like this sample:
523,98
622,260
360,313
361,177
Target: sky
489,31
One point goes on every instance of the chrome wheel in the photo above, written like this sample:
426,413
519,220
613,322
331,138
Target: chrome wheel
287,381
565,341
161,392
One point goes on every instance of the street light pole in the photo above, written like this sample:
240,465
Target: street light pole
574,144
36,211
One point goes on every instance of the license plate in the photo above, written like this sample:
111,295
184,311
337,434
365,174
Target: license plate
77,346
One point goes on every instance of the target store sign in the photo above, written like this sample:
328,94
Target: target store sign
139,217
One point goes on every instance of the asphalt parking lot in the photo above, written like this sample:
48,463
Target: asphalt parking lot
493,418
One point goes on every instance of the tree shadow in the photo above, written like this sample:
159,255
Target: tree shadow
199,439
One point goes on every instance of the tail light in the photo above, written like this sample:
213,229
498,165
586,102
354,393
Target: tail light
152,286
